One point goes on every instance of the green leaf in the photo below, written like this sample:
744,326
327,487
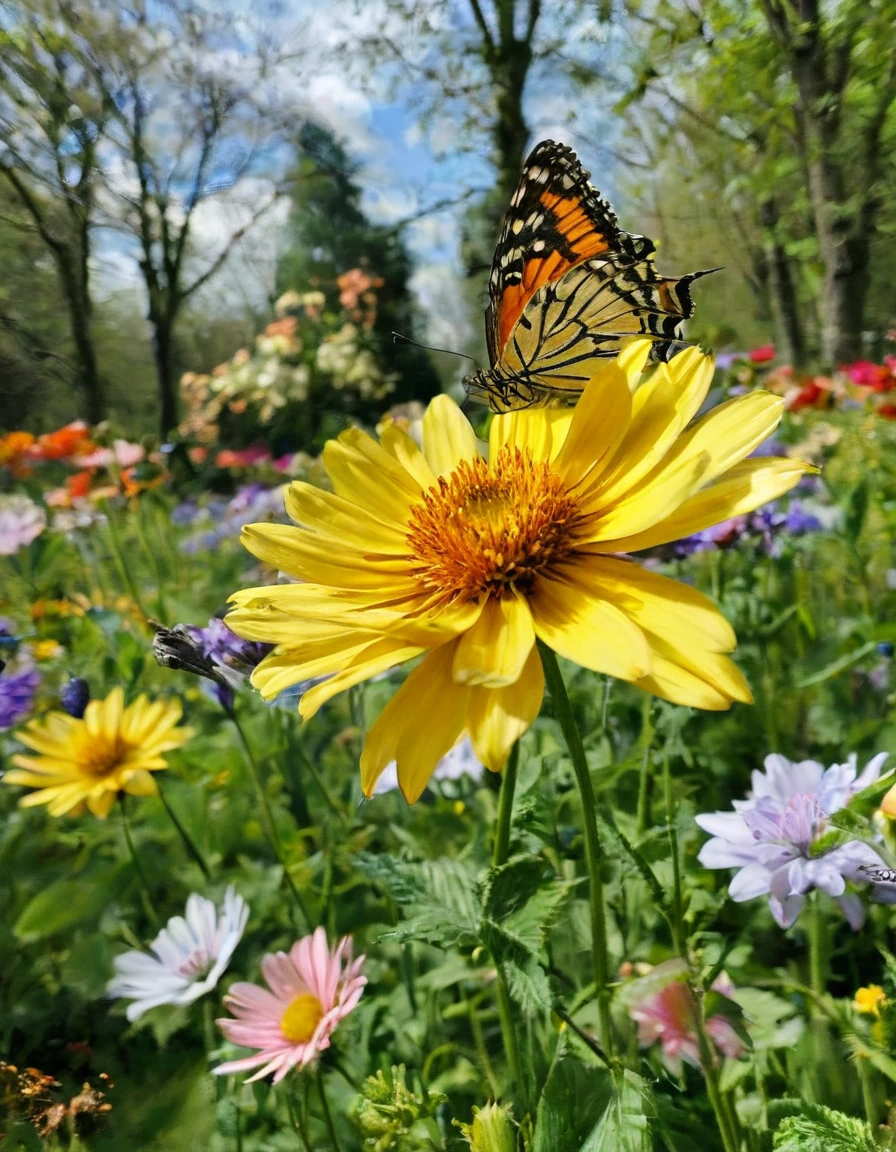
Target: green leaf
574,1098
838,666
856,511
820,1129
625,1125
68,902
439,896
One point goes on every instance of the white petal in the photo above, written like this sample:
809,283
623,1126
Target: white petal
750,882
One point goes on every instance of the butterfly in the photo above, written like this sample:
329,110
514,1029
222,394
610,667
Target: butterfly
878,875
568,287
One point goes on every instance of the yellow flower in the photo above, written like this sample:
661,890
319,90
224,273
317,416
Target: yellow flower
869,999
441,553
113,749
46,649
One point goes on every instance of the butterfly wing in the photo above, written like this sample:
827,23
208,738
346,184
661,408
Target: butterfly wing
569,287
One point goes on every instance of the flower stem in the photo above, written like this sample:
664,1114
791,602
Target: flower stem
189,843
818,976
672,832
593,852
872,1112
500,853
297,1121
267,815
730,1141
138,867
328,1115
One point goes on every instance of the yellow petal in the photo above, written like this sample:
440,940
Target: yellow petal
303,556
654,500
492,653
384,491
632,360
373,660
529,429
448,436
731,431
101,805
745,487
599,422
660,605
497,717
330,515
418,726
408,454
672,681
663,407
576,623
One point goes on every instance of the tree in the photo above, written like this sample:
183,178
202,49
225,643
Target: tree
53,119
845,74
328,235
800,99
189,122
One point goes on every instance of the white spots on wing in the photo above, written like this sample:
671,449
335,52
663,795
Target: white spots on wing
538,246
517,226
567,182
518,195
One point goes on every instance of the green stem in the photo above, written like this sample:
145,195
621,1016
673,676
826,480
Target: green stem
328,1116
296,1122
189,843
872,1112
138,867
499,856
267,819
644,777
818,972
730,1140
672,832
118,555
593,852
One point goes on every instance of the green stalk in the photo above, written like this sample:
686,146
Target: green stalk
727,1131
138,867
500,853
118,556
328,1116
672,832
188,841
593,851
267,818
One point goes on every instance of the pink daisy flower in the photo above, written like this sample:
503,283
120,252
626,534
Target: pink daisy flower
311,990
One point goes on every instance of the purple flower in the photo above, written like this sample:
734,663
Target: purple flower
75,697
770,837
234,658
17,692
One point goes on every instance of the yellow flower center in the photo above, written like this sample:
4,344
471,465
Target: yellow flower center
490,527
101,755
301,1018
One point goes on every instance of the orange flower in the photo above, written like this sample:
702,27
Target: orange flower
14,451
79,483
70,440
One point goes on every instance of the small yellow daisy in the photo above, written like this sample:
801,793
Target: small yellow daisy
113,749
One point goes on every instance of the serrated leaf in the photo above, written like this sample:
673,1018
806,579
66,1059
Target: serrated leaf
821,1129
625,1125
439,896
574,1098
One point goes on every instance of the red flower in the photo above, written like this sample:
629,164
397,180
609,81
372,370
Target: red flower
877,377
811,395
762,355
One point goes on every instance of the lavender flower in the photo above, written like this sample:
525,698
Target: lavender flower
233,657
17,692
21,521
770,837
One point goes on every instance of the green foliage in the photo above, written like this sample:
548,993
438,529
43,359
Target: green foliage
821,1129
392,1118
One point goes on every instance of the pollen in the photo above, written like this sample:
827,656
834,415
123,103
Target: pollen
490,527
300,1020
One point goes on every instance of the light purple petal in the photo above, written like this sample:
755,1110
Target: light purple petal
786,911
750,882
853,909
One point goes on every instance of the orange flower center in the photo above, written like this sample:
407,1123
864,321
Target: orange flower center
301,1018
490,527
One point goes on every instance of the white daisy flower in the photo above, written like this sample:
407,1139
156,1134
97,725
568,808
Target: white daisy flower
191,954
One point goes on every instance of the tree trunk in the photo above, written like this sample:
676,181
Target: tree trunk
80,315
785,302
163,358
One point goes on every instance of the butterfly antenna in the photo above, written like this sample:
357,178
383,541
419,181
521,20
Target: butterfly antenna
397,338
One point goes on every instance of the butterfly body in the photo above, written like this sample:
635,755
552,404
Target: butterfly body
568,287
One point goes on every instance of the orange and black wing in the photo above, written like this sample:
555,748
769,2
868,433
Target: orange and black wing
555,221
569,287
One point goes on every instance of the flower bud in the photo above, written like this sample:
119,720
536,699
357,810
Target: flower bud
492,1129
75,697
